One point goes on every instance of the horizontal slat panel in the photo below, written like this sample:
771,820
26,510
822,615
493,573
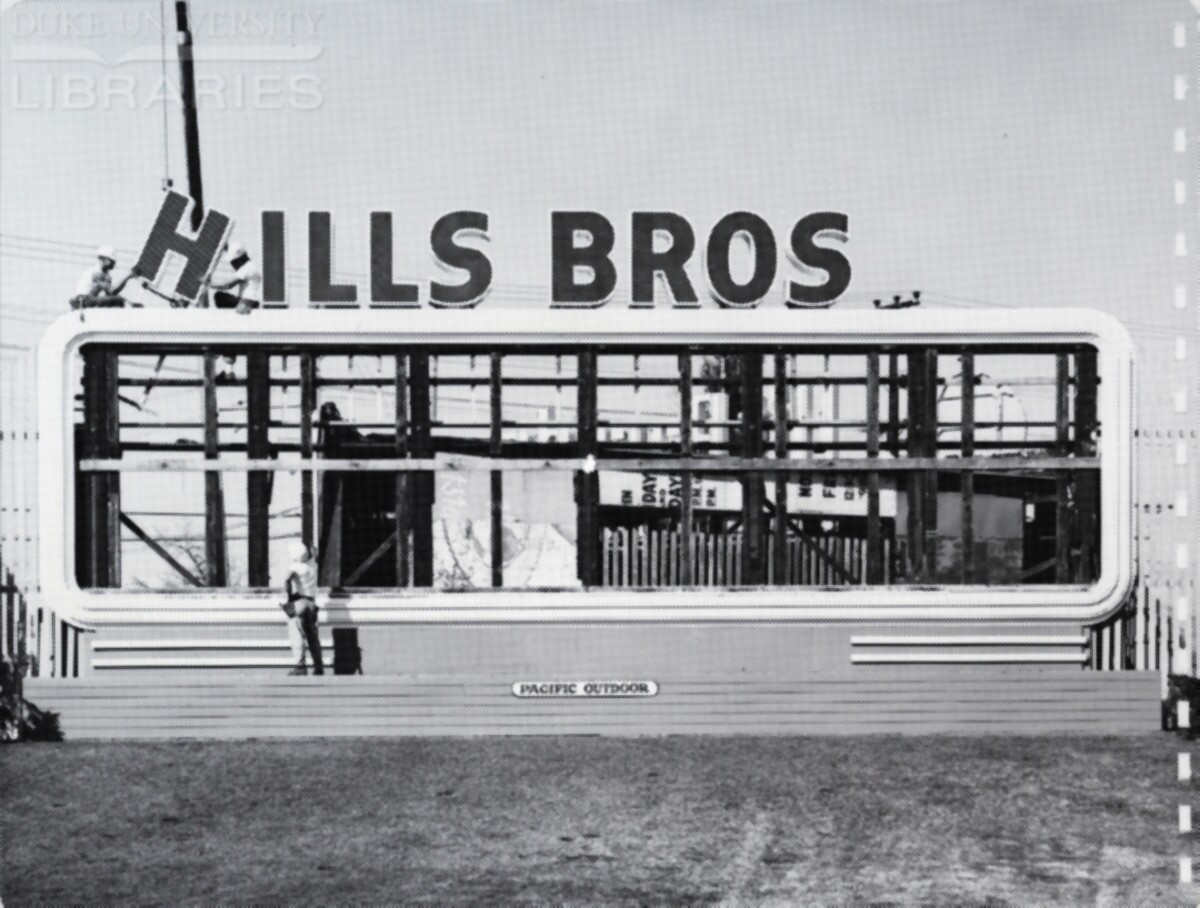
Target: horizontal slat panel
326,705
982,700
185,644
338,685
976,640
748,727
194,662
1014,658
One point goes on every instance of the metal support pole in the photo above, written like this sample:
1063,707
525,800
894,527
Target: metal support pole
191,123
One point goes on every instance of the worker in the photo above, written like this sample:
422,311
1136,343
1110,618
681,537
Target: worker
239,292
301,609
95,288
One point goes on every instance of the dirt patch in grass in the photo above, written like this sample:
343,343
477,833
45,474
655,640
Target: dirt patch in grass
673,820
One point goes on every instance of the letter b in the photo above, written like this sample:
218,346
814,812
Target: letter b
566,257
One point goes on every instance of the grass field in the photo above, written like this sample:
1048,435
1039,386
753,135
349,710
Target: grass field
790,821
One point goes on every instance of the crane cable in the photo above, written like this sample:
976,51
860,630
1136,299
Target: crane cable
162,30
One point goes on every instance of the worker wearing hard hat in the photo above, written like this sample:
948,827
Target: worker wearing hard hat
95,287
241,291
301,608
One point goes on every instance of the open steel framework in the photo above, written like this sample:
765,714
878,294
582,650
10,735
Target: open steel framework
892,439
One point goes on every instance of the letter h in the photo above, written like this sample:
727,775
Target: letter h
201,252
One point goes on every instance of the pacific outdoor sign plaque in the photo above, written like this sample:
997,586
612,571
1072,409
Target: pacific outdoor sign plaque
550,690
584,259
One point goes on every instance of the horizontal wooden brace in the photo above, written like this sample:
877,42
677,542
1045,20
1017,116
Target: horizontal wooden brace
574,464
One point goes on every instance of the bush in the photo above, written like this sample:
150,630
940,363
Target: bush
19,719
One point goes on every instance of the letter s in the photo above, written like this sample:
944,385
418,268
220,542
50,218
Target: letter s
450,254
807,255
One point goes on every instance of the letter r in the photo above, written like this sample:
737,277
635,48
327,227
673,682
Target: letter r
201,251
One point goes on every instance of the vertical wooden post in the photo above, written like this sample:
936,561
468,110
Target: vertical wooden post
917,373
685,478
931,476
112,484
403,501
497,477
1087,481
754,563
587,484
215,554
308,406
782,435
967,477
102,491
258,493
874,571
1062,479
894,404
423,481
92,527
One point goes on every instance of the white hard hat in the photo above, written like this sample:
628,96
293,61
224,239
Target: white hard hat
236,250
106,252
297,551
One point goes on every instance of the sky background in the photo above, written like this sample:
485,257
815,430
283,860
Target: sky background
1000,153
1014,153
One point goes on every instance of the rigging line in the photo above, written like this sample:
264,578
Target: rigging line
42,255
162,30
43,239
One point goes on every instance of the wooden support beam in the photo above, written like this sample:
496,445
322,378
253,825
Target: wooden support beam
308,406
835,567
754,561
779,566
158,550
421,446
403,495
587,482
1062,482
258,447
875,567
966,477
369,561
216,556
497,477
101,562
894,404
1018,463
112,487
930,449
1087,425
333,500
685,476
917,373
